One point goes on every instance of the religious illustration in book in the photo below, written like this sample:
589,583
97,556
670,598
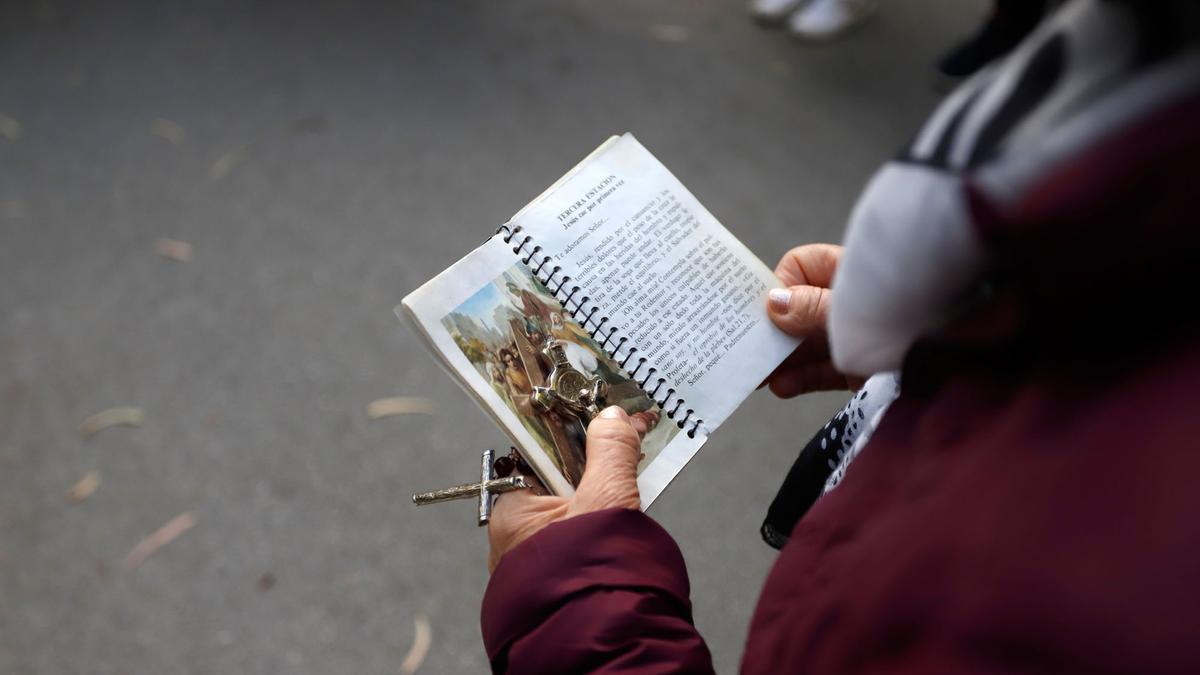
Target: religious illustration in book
547,369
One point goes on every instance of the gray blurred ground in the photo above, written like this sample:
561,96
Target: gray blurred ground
330,157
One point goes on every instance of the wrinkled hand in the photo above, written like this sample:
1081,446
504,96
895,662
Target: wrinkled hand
609,481
801,309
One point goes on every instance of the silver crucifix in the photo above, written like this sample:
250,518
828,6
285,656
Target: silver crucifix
487,486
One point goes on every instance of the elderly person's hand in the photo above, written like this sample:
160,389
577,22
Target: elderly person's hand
609,481
801,309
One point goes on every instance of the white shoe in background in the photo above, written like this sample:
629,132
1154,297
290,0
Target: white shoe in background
773,11
824,19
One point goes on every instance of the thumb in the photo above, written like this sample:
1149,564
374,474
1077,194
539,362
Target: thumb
610,476
799,311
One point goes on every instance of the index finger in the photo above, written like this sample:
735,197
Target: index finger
809,265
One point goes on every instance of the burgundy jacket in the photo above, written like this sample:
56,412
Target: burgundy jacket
1030,503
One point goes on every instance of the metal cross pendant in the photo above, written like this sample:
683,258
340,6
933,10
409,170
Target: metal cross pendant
487,486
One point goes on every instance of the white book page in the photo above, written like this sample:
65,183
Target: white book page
687,295
478,312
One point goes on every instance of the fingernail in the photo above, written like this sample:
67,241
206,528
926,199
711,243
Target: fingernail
612,412
779,299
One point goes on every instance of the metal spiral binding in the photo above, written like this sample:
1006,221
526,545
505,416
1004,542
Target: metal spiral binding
527,255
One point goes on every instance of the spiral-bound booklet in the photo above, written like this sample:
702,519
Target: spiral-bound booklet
614,287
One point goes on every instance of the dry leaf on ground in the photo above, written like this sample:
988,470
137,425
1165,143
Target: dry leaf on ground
173,249
422,638
84,487
10,128
401,405
668,33
225,164
167,129
13,208
159,538
125,416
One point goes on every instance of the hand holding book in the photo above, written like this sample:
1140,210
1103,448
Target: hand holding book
614,441
610,479
801,309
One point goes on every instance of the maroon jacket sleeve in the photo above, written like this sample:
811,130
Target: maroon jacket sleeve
602,592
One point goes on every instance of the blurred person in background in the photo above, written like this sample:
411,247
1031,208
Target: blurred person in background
814,19
1022,495
1008,22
